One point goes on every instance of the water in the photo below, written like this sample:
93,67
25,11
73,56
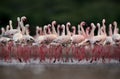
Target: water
60,71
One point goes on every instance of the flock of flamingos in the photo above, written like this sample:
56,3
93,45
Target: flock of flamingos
60,42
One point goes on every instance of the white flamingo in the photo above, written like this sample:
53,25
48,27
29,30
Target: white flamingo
50,37
116,36
63,39
76,38
109,40
2,37
39,37
27,37
17,38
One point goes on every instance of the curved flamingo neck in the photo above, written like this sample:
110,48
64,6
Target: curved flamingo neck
87,32
27,29
2,30
74,30
110,29
104,26
63,31
49,31
98,25
115,27
82,29
58,30
7,27
40,31
45,27
93,29
67,28
10,24
22,24
79,32
53,27
37,30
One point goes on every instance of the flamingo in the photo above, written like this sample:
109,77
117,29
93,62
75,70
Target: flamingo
99,30
76,38
27,37
50,37
68,24
53,27
89,37
99,39
86,34
116,36
109,40
58,30
17,38
37,32
63,39
12,31
2,31
93,29
9,28
92,39
79,31
82,29
21,23
6,33
49,30
39,37
43,36
4,39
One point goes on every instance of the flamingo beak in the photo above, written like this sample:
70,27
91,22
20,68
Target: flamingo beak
83,23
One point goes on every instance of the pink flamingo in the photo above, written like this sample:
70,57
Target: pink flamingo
109,40
63,39
116,36
76,38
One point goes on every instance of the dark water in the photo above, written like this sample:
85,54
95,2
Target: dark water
60,71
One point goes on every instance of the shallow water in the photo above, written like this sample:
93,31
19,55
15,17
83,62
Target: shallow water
60,71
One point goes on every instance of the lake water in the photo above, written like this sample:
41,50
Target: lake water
60,71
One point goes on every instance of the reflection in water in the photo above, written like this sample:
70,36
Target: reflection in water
60,71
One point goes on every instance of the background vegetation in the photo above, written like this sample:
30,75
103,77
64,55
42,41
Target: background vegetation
41,12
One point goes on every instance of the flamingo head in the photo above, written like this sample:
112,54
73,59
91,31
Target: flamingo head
98,25
27,25
49,25
82,23
78,26
115,23
18,19
88,29
2,29
68,24
40,28
73,27
53,23
93,25
63,26
45,26
23,18
37,27
10,22
110,25
58,26
103,21
116,38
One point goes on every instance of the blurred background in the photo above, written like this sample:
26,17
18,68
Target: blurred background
41,12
